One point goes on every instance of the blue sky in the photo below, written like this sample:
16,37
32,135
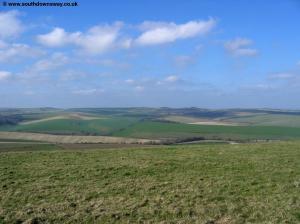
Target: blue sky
211,54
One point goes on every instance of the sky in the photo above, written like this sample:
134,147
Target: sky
138,53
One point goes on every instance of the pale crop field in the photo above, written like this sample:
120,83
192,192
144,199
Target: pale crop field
73,139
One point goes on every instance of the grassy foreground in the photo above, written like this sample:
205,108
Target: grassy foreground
245,183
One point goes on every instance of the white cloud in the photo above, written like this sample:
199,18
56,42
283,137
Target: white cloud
264,86
139,88
126,43
10,25
102,38
160,33
56,38
150,83
72,75
199,47
96,40
240,47
108,63
42,70
159,83
13,52
29,93
55,61
99,39
172,78
3,44
298,63
282,76
286,79
183,60
87,91
4,75
258,87
129,81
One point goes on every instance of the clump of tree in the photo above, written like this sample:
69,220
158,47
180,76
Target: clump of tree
10,119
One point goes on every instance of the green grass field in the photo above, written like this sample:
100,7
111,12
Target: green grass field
244,183
171,130
269,120
103,126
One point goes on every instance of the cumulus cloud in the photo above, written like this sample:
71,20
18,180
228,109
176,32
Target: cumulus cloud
160,33
97,39
14,52
240,47
10,24
4,75
56,38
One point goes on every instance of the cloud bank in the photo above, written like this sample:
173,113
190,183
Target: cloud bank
102,38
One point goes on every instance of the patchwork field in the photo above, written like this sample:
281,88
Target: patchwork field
244,183
167,124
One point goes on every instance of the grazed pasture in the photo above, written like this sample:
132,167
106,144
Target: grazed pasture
244,183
